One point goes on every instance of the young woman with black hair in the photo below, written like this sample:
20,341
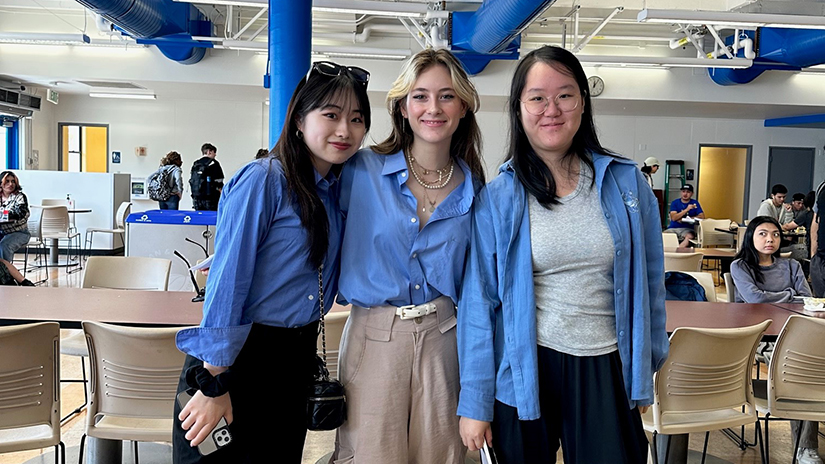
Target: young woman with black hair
761,276
279,233
561,320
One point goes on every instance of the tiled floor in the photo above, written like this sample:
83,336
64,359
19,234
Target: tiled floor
319,444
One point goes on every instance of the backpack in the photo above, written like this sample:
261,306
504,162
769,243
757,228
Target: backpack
683,287
159,184
197,179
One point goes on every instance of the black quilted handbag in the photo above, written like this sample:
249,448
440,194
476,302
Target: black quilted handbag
326,401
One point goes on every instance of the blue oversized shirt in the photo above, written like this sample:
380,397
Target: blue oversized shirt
387,260
496,313
677,206
260,272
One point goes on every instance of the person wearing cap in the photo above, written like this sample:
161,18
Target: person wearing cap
680,208
650,167
798,206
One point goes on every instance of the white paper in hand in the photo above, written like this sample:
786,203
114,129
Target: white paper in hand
488,456
205,264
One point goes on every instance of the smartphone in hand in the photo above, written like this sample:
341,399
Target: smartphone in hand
218,438
488,456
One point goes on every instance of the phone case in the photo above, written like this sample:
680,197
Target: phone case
217,439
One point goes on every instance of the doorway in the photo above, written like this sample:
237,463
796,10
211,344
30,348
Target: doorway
83,147
787,166
723,181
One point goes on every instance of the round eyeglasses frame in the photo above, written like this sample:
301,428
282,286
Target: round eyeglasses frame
537,108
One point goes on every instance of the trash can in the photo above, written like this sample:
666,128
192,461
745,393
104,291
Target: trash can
158,233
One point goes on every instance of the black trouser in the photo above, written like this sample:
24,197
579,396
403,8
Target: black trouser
584,409
270,380
205,205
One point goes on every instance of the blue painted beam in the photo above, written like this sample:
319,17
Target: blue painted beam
808,120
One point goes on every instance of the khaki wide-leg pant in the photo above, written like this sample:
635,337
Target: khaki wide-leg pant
401,382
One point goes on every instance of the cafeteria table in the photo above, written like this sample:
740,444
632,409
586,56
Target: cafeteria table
722,315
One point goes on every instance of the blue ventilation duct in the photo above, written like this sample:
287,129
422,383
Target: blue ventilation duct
167,24
776,49
492,31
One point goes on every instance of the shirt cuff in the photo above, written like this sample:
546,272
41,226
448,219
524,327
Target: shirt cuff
475,405
218,346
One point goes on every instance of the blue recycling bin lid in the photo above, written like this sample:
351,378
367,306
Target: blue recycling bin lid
174,217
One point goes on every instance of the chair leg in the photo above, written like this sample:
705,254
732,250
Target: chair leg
796,446
655,449
705,448
88,242
26,261
62,452
760,441
80,454
85,391
137,461
767,439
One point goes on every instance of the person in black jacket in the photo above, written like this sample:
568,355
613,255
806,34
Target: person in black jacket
206,180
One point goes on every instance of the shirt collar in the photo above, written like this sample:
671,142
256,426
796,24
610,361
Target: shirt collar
325,182
394,163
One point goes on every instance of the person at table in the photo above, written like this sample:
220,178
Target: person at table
761,276
9,275
14,216
407,202
797,205
651,166
776,208
279,232
684,207
560,334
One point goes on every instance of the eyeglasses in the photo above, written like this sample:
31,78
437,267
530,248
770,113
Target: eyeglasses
328,68
537,104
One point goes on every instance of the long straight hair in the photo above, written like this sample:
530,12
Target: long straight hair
748,253
312,93
465,143
10,174
529,167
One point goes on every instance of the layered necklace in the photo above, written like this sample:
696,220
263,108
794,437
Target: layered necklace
445,174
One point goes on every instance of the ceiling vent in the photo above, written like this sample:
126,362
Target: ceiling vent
112,85
17,104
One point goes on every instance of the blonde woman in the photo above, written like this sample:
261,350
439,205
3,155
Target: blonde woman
407,204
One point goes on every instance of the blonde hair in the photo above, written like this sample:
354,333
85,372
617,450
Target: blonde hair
466,141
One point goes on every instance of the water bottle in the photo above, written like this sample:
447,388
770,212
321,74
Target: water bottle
69,201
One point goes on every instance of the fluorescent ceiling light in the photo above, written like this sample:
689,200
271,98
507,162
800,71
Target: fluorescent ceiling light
724,18
246,45
362,52
372,7
43,38
664,61
135,96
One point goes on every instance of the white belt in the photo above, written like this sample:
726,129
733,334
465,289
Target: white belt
413,311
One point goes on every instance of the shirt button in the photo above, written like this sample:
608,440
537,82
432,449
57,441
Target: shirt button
415,255
417,287
413,220
403,174
619,253
621,333
607,215
311,297
619,291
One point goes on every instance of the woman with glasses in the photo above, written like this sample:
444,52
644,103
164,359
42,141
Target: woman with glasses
14,216
279,234
407,203
561,320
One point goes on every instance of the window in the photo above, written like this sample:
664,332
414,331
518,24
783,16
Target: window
83,147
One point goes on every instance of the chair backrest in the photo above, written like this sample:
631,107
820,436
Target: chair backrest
683,261
740,237
54,221
29,383
33,223
707,370
705,279
730,287
54,202
796,375
708,236
786,255
122,214
334,323
127,273
670,240
135,371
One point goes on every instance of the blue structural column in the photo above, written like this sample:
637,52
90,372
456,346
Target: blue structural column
290,37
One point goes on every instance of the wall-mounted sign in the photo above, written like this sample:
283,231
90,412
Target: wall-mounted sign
140,151
52,96
115,157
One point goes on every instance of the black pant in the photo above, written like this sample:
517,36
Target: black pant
205,205
270,380
584,409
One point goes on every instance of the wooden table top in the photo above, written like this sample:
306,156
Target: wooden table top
70,306
723,315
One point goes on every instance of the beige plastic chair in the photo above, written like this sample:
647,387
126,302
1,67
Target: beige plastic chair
710,237
120,228
730,287
135,372
785,255
334,324
795,388
705,383
670,240
683,261
54,225
29,391
114,272
36,241
705,279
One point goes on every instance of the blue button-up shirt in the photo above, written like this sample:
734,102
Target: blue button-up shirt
386,259
260,273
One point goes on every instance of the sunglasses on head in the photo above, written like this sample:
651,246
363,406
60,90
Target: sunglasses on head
328,68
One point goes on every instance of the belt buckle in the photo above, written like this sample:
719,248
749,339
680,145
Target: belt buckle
403,309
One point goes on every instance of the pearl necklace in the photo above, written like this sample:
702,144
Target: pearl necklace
440,183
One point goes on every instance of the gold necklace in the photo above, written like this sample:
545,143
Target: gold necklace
441,182
431,208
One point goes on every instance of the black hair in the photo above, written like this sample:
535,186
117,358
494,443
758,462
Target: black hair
530,169
647,169
809,200
748,253
798,197
313,92
779,188
262,153
208,147
16,180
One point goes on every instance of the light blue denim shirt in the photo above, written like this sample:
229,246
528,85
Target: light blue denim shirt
496,312
260,272
386,259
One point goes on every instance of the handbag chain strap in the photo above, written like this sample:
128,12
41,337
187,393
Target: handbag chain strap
321,303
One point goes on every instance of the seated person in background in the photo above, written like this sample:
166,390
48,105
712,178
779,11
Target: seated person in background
9,275
797,205
682,207
776,208
761,276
